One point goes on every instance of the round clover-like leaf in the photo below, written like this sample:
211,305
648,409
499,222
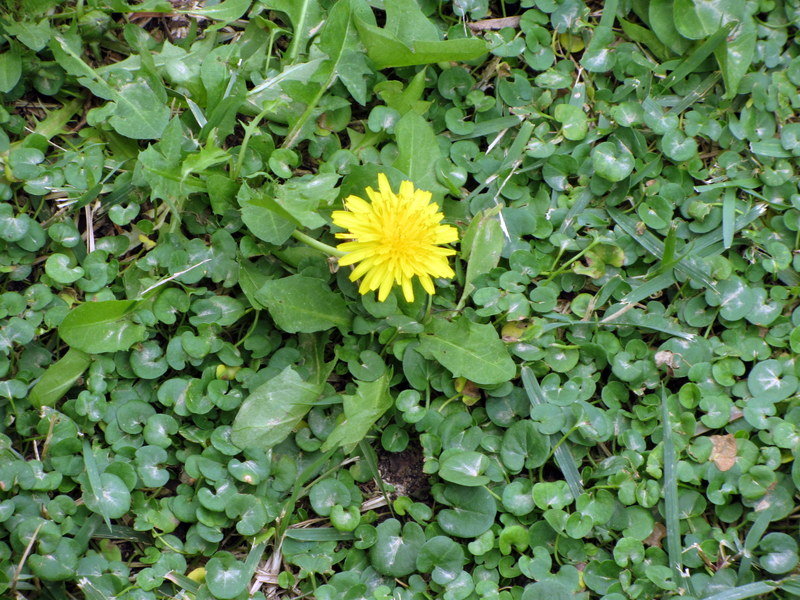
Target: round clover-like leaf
57,266
226,577
111,499
325,494
779,553
148,459
442,557
12,229
552,494
394,552
678,147
463,467
58,565
574,123
518,497
249,513
472,511
523,446
612,161
734,298
345,519
769,382
158,428
148,361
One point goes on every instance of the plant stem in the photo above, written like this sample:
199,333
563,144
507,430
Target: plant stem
566,265
316,244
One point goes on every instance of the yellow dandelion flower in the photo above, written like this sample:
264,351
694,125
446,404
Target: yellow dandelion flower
394,238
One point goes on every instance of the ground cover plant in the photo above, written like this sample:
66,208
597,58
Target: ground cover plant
225,376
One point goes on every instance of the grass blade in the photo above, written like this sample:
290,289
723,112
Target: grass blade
648,288
747,183
671,516
121,532
602,33
752,539
558,321
318,534
696,94
654,246
577,208
751,590
563,456
190,585
372,464
491,126
703,246
696,58
92,474
253,558
608,289
728,217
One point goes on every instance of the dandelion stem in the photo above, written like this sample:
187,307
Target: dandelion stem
316,244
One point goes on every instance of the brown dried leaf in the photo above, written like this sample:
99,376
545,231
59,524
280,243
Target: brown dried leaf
724,453
654,539
493,24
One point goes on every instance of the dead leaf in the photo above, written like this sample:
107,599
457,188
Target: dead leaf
724,453
492,24
654,539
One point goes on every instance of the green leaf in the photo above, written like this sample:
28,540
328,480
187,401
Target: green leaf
574,122
418,151
692,62
226,11
598,57
394,553
272,411
442,557
59,378
264,223
736,55
779,553
138,112
552,494
463,467
769,381
612,161
10,69
226,577
386,50
670,493
304,304
563,455
481,246
34,35
339,41
716,18
326,494
57,266
524,447
97,327
472,511
469,350
361,411
305,15
110,498
662,23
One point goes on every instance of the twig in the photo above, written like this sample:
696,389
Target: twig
171,277
25,554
